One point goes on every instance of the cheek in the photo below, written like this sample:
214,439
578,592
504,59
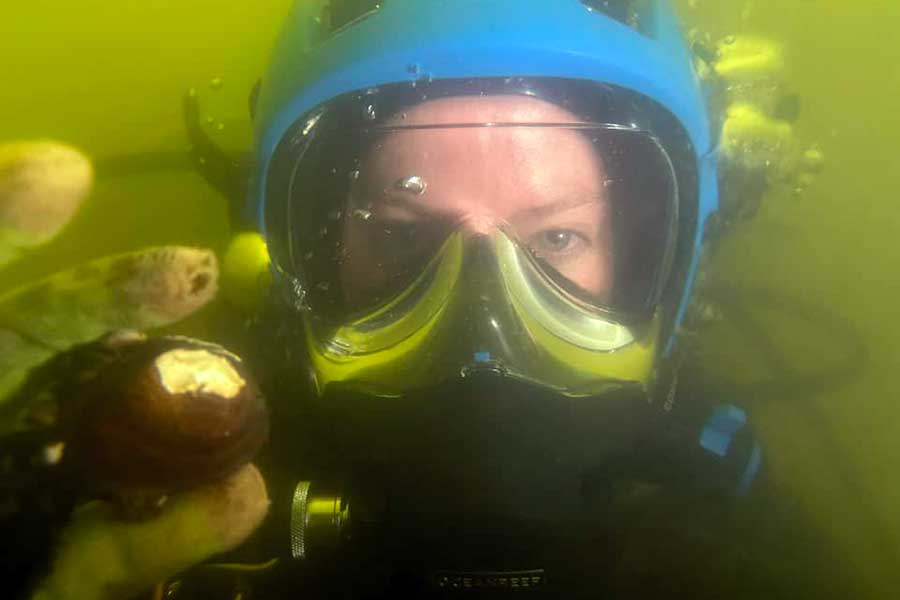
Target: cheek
359,272
593,272
604,260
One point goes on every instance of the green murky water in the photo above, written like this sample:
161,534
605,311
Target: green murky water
835,246
109,77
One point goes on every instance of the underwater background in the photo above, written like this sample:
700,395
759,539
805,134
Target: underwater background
109,78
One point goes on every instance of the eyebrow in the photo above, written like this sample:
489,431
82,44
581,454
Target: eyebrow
406,201
550,208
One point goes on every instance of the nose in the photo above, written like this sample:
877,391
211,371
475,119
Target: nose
478,225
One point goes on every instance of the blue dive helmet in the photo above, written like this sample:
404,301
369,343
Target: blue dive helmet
622,64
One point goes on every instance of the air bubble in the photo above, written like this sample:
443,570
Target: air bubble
220,126
413,183
210,120
354,175
216,83
361,213
370,112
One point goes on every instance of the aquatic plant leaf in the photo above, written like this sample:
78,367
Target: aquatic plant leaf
140,290
42,185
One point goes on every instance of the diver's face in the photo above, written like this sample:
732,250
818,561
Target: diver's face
543,186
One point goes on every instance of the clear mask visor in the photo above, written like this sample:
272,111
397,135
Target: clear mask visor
593,207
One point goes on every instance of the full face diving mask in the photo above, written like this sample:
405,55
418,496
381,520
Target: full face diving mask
424,251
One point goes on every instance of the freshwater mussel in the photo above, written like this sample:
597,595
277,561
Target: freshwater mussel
134,419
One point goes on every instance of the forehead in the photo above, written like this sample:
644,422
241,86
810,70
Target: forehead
510,166
482,147
484,109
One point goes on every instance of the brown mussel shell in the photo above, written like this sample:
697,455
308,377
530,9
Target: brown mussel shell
153,415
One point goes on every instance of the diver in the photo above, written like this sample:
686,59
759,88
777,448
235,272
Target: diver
485,223
485,233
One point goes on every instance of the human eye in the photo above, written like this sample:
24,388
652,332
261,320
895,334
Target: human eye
557,244
400,230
